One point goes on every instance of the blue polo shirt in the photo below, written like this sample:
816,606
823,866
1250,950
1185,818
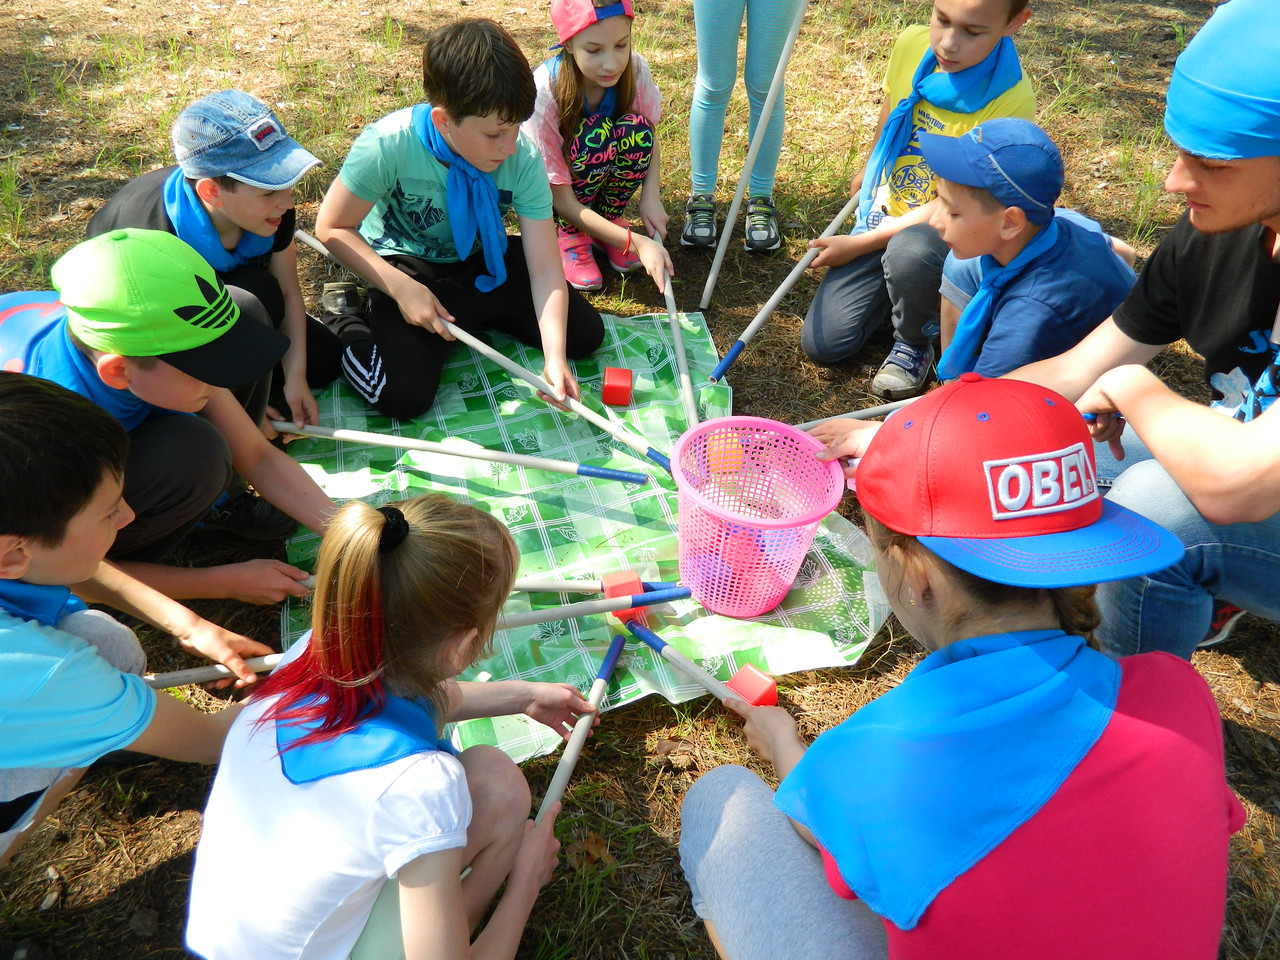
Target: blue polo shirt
34,340
1056,301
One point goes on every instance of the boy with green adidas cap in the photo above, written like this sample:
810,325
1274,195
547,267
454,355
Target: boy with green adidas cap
141,325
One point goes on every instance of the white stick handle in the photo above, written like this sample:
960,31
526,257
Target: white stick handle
796,273
540,585
762,125
585,608
697,674
179,678
409,443
572,750
864,414
682,359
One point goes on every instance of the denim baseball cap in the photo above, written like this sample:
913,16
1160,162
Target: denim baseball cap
1012,159
145,293
998,478
231,134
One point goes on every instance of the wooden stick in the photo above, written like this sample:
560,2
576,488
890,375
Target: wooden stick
581,729
478,453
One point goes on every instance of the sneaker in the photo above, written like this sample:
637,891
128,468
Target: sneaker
341,310
621,262
580,268
762,226
904,372
699,221
249,517
1225,616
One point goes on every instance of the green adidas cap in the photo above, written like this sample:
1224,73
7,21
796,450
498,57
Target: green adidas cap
145,293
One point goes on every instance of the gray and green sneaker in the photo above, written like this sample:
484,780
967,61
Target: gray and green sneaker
699,221
762,226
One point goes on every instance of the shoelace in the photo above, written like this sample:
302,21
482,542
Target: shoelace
701,215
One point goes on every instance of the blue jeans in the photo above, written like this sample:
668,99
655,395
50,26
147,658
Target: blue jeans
899,282
1170,610
759,883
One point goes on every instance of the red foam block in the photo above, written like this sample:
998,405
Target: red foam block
625,583
617,387
754,686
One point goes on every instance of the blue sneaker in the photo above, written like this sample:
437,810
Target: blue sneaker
904,372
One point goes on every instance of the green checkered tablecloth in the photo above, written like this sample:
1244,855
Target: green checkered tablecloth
571,527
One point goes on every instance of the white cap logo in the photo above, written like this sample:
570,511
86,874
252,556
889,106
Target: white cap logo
1043,483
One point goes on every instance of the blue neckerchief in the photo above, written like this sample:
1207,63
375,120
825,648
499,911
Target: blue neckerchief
192,225
608,103
472,201
33,601
400,729
961,354
967,91
919,785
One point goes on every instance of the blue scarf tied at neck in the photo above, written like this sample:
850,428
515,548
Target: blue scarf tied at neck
472,201
966,91
192,225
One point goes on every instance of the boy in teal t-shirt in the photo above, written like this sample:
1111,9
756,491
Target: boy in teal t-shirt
417,210
946,78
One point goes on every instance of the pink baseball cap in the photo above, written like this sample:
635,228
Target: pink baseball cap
998,478
571,17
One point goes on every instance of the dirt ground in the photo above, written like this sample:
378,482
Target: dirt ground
87,91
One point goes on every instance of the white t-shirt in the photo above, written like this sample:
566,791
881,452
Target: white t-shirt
289,870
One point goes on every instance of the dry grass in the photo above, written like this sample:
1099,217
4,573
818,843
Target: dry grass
86,91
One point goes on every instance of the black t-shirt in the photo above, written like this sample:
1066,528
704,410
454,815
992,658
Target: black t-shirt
140,203
1218,291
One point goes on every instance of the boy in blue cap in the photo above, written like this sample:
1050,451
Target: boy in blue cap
1031,281
230,196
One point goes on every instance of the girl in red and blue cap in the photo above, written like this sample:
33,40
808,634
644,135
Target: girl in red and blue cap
595,121
1019,794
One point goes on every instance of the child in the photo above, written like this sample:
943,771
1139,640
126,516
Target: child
142,326
417,211
947,78
231,198
1032,281
717,25
70,690
335,779
594,121
1019,794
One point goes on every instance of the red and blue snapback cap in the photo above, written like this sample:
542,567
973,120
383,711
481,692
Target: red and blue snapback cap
997,477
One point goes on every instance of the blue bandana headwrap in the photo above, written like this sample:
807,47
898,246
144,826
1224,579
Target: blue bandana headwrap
1224,97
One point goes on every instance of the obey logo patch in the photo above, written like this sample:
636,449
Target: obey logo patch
1042,483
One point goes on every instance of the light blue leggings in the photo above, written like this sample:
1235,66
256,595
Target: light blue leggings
718,23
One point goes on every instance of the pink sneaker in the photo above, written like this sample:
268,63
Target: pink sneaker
621,262
580,268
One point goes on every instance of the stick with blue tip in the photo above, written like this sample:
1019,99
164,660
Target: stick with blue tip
475,453
682,663
772,304
589,607
581,729
549,585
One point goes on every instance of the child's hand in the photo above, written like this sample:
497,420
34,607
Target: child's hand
539,851
558,706
770,730
260,581
297,394
419,306
837,251
654,216
844,439
656,259
222,646
561,379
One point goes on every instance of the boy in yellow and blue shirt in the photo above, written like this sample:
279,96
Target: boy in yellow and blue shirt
944,78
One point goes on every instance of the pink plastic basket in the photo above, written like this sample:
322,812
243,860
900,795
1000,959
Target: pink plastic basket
751,496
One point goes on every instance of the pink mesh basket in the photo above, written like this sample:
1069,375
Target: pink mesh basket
751,497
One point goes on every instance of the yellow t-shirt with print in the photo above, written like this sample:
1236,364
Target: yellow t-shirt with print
911,182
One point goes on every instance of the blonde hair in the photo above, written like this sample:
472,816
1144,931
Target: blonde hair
1076,610
569,95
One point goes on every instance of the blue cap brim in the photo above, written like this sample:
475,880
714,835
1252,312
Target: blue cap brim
1119,545
953,158
279,169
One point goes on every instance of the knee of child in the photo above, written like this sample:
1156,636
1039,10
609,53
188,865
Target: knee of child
913,253
1146,488
115,643
498,789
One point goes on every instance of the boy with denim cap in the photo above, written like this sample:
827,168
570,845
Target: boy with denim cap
70,684
959,71
417,211
141,325
1032,281
230,197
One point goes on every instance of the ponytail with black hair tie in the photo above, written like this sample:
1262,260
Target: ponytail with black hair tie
394,530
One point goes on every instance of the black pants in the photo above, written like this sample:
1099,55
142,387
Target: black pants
397,370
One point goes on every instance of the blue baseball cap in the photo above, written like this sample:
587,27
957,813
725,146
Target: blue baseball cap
1224,96
1012,159
231,134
